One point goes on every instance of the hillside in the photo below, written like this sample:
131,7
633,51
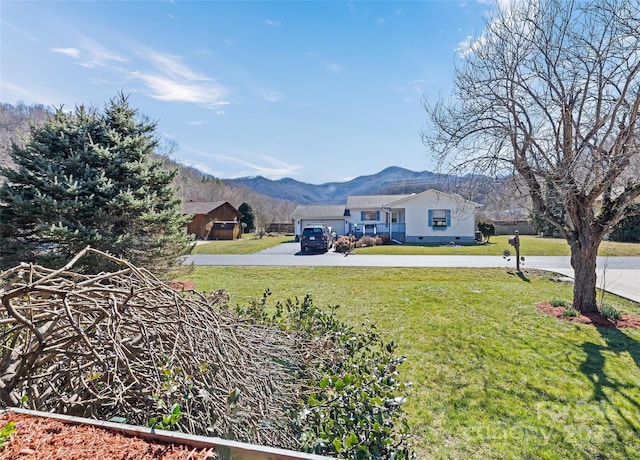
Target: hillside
14,124
191,184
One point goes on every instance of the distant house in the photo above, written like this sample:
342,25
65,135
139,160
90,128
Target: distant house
213,220
331,216
428,217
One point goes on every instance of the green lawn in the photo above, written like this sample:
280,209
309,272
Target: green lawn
249,244
492,378
529,246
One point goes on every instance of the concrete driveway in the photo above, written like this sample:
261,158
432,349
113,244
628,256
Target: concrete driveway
618,275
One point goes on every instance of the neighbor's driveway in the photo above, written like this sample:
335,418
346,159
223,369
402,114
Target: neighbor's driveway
619,275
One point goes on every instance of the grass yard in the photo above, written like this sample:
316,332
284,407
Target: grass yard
248,244
492,377
529,246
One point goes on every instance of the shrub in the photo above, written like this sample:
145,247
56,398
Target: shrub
367,241
487,229
355,409
611,312
559,303
570,311
344,244
6,432
628,229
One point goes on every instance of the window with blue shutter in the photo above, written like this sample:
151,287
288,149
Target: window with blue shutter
439,219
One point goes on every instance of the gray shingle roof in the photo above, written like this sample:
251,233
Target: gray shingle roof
372,201
319,212
200,207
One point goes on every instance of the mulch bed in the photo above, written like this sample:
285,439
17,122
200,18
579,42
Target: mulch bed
595,319
42,438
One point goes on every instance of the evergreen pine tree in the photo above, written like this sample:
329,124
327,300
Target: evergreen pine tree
248,216
89,178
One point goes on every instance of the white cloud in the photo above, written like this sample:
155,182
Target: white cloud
171,65
466,46
172,80
269,22
273,96
262,165
14,93
73,52
334,67
201,167
98,55
205,94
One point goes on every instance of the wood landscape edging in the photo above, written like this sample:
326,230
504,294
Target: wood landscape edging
226,449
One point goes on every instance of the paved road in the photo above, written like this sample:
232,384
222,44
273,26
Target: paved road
619,275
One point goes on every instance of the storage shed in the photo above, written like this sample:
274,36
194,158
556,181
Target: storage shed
213,220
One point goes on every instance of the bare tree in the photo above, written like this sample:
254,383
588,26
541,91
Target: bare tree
550,94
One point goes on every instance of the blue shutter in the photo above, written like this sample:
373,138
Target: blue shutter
448,218
362,216
430,223
377,215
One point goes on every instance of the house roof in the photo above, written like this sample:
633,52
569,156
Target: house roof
437,192
372,201
200,207
318,212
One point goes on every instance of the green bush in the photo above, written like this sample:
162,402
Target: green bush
570,312
355,409
6,432
628,229
559,303
487,229
609,311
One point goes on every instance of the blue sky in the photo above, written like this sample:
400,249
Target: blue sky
317,91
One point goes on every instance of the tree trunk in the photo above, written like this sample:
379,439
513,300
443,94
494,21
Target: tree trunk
584,250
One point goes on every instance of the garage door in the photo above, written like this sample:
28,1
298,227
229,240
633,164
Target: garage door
337,224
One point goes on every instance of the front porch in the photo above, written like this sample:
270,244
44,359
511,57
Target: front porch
391,232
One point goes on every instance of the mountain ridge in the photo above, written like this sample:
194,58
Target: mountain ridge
391,180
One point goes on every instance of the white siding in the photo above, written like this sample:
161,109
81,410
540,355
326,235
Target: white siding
462,224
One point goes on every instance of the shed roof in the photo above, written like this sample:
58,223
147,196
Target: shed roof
201,207
318,212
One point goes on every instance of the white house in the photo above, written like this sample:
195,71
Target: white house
428,217
437,217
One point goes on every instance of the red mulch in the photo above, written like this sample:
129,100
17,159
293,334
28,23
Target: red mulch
42,438
595,319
